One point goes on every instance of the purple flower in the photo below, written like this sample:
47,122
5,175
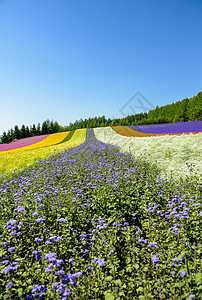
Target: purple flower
51,256
37,239
139,230
37,288
58,262
47,270
55,284
181,259
11,223
78,274
153,244
155,258
55,238
100,262
5,262
181,127
40,220
111,252
10,285
19,209
48,243
7,270
183,274
175,259
11,249
60,272
35,214
191,296
62,220
141,240
70,260
38,256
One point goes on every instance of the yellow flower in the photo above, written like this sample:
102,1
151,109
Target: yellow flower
52,139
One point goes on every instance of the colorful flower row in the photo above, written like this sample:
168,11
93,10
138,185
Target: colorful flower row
50,140
170,128
19,160
23,142
128,131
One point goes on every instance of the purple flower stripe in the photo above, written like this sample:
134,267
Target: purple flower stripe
23,142
192,126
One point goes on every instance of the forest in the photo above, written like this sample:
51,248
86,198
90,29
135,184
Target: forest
180,111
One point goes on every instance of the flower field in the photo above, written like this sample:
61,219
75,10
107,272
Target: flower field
193,127
172,153
19,160
170,128
92,222
50,140
128,131
22,143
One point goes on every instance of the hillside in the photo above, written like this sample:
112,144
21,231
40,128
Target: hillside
186,110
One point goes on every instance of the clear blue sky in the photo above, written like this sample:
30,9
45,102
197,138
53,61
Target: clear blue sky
66,60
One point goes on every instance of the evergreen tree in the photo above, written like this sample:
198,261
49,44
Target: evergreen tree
34,130
46,127
23,131
4,138
17,134
12,134
38,130
9,136
27,131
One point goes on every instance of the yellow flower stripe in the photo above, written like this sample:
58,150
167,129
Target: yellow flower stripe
50,140
21,160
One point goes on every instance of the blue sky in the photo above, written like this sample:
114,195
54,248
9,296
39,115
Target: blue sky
66,60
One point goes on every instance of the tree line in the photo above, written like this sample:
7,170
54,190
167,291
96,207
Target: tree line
17,133
180,111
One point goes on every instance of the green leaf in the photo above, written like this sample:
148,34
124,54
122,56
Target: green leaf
109,296
198,278
140,289
20,292
108,278
117,282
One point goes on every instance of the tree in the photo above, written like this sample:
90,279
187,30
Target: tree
38,130
194,108
4,138
17,133
9,136
54,127
23,131
33,130
27,131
